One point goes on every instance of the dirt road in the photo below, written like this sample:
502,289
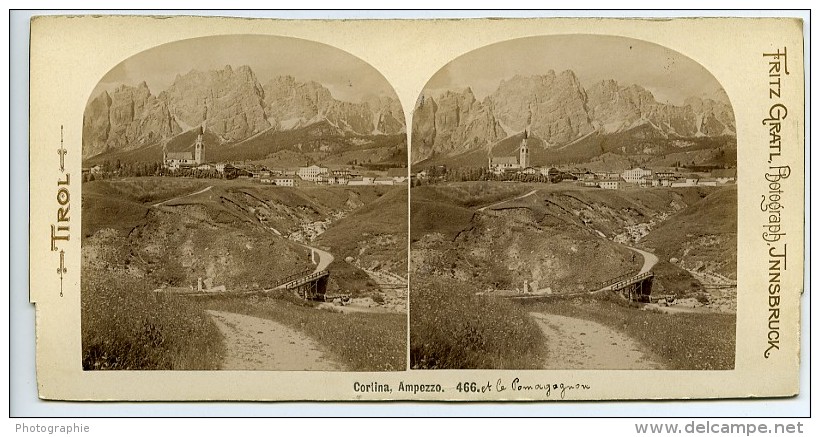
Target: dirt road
325,258
508,200
253,343
181,197
582,344
649,259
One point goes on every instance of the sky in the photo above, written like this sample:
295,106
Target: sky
669,75
347,77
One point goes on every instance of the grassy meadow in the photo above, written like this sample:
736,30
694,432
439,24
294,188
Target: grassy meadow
452,328
684,341
126,327
365,342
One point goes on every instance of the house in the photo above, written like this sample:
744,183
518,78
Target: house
607,175
552,174
687,181
310,173
611,183
363,180
530,171
226,169
724,176
337,177
649,181
582,174
707,182
633,176
284,181
399,175
95,169
383,180
664,174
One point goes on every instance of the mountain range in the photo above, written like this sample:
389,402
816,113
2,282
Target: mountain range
233,106
559,113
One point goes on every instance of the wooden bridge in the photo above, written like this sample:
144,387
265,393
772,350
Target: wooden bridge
309,286
633,287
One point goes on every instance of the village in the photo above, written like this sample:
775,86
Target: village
194,164
520,168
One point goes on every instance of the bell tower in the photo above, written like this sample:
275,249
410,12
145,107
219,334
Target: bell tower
199,148
524,152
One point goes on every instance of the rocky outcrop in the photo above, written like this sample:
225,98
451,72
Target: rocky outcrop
96,125
424,129
453,123
388,114
126,118
558,110
615,108
291,104
553,105
232,104
229,103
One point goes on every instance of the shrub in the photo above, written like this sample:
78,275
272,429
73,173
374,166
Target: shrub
451,327
378,298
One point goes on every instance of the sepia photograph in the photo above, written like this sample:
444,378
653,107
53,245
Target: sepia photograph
415,210
244,207
573,206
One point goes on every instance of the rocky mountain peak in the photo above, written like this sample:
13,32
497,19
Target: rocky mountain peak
229,102
559,110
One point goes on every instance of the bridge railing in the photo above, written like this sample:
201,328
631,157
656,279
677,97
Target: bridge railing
615,280
292,277
637,278
306,278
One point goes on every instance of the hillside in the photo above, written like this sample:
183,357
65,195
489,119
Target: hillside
141,234
204,236
372,237
561,238
240,235
702,236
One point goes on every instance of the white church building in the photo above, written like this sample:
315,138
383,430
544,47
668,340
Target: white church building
505,163
175,160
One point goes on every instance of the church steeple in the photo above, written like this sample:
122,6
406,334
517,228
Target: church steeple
524,152
199,148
